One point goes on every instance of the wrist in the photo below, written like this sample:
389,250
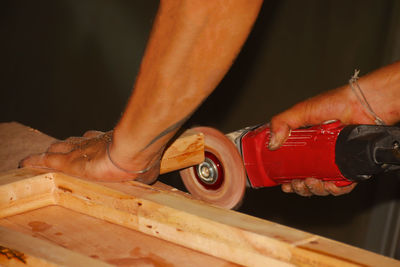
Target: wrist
382,90
130,156
362,103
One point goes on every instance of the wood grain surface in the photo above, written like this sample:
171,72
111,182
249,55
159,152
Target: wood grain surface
104,241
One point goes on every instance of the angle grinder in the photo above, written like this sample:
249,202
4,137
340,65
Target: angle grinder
330,152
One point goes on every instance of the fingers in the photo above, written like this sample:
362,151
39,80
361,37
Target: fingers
300,188
316,186
67,145
54,161
61,147
72,142
287,188
313,186
78,156
316,110
72,163
75,139
64,154
297,186
336,190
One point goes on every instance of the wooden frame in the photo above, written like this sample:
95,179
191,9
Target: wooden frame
167,215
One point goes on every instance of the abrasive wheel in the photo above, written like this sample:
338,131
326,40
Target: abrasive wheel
221,178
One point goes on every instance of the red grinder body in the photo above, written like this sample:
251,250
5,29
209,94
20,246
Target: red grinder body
308,152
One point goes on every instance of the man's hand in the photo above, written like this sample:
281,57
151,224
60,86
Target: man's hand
313,186
382,90
336,104
87,157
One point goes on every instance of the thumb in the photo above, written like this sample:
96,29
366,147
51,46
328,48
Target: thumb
280,131
282,124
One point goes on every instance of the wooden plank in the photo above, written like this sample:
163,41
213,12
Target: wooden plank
18,141
104,241
221,233
20,192
17,249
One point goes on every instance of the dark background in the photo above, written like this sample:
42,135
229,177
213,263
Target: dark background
69,66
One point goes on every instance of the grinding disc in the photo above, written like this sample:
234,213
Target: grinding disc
221,178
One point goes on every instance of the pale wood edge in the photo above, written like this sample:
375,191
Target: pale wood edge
275,245
186,151
36,252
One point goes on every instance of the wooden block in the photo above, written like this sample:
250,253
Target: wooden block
160,214
186,151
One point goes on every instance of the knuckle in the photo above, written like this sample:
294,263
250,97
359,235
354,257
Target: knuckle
92,133
89,132
74,139
298,184
300,188
316,186
55,145
287,188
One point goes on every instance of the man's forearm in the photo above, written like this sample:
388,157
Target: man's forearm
191,47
